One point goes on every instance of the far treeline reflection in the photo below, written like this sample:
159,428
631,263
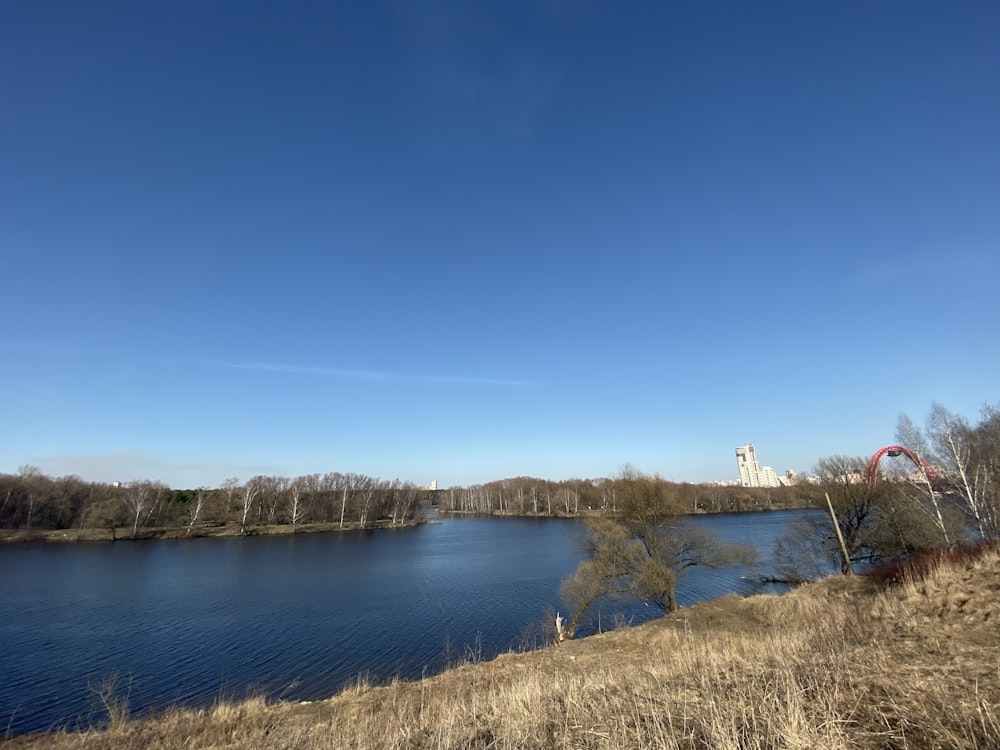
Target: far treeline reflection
34,506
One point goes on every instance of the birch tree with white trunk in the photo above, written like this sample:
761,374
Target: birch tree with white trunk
141,499
199,504
910,436
967,466
248,499
296,489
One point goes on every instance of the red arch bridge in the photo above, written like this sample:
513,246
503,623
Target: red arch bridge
871,473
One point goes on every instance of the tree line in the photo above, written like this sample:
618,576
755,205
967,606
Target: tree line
528,496
30,500
33,501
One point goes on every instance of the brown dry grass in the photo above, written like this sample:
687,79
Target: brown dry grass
837,664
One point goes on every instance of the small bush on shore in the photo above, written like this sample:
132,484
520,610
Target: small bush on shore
923,564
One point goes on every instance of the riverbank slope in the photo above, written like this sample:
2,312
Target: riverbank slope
843,663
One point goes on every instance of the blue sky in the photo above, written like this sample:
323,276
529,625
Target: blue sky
466,241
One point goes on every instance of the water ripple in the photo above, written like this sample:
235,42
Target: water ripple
299,617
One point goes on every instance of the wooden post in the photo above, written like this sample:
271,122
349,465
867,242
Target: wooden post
840,537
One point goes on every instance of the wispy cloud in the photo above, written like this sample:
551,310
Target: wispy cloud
374,375
924,267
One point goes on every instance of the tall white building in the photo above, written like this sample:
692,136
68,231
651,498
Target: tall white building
753,474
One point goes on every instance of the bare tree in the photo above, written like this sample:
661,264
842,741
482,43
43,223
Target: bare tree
909,435
855,505
603,573
404,499
142,499
985,463
969,462
570,500
883,519
199,504
248,498
365,488
341,483
230,491
272,492
296,489
30,478
352,482
643,551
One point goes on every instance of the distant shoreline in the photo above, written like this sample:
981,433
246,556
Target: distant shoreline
63,536
212,530
583,514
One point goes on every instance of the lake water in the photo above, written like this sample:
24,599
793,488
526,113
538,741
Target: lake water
298,617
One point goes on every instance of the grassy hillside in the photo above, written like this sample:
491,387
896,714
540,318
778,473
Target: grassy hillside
844,663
